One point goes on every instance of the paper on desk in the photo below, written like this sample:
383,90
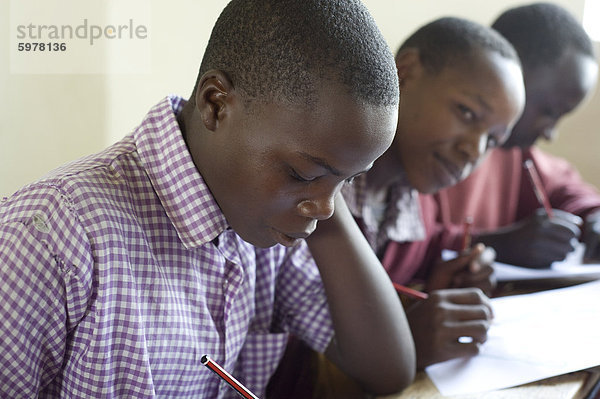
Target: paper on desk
533,336
571,267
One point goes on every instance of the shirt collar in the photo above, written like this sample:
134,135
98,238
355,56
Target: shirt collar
181,189
403,220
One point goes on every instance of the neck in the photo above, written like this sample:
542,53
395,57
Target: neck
184,118
191,129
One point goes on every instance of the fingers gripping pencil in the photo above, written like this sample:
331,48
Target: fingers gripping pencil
538,188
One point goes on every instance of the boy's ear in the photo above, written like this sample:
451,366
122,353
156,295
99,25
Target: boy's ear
213,98
408,63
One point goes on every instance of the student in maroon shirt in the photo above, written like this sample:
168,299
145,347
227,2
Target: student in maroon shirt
560,70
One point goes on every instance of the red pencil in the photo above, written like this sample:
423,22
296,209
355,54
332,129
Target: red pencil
220,371
538,188
466,243
410,292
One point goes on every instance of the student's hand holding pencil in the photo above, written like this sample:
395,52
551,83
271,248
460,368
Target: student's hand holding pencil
449,323
591,237
478,272
471,268
536,241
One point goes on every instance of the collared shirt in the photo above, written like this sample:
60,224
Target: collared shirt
119,272
390,214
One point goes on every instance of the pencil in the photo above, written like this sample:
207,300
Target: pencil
410,292
228,378
538,189
466,243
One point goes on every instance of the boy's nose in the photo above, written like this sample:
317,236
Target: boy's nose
474,146
549,133
318,208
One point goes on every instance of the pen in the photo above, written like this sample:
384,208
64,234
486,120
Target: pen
220,371
467,224
410,292
538,189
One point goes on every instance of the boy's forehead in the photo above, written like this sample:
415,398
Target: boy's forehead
573,69
479,57
337,132
489,64
332,105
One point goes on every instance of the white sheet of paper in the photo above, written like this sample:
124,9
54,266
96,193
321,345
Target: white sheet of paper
533,336
571,267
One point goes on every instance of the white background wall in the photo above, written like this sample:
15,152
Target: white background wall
48,119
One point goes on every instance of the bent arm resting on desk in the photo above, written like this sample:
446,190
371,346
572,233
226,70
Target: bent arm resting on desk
372,343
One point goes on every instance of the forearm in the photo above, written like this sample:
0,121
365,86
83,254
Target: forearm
373,342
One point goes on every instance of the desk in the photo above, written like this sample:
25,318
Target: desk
576,385
329,382
568,386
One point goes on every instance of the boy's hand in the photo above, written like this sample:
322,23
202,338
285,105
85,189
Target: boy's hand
537,241
591,237
438,323
471,269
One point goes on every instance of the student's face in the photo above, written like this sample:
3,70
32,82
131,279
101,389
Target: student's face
449,120
551,92
279,167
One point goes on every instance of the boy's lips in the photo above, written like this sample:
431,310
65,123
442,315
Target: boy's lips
453,172
291,239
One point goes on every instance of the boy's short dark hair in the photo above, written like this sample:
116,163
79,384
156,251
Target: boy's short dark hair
542,32
450,40
277,50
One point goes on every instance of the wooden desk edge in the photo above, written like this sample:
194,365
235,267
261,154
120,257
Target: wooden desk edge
574,385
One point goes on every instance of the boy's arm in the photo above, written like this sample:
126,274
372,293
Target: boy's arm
372,342
46,282
32,314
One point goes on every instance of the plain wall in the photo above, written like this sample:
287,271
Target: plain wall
47,120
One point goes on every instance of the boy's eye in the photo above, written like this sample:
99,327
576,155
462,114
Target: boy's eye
466,112
550,113
492,142
299,177
350,180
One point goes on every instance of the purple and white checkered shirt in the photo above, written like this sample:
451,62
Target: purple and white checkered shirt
119,271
